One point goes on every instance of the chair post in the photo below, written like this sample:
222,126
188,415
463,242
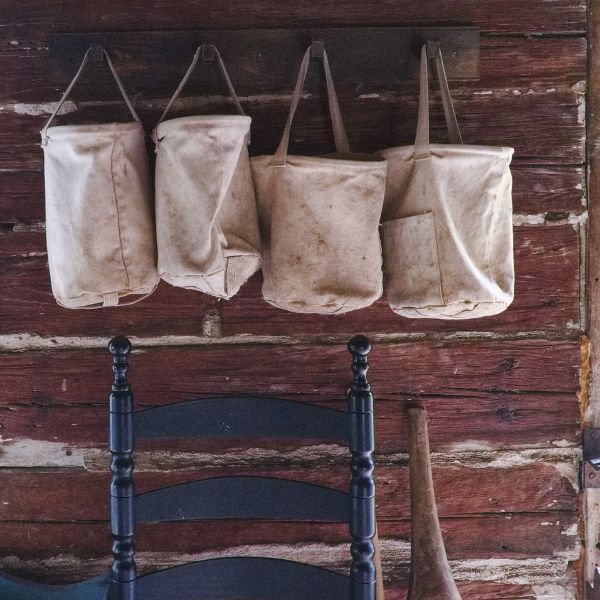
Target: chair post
121,442
362,485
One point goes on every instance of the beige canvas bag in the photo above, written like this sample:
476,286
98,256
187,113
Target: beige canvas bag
99,228
319,220
447,221
206,216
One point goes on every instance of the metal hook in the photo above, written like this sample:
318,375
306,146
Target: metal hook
207,53
96,54
317,49
433,48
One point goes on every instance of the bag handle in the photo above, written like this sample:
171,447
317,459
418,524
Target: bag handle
208,52
316,50
422,149
84,62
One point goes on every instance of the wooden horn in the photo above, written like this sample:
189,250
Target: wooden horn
430,575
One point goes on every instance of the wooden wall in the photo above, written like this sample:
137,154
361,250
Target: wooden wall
503,392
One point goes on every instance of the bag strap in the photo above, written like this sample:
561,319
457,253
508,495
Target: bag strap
317,50
84,62
208,53
422,150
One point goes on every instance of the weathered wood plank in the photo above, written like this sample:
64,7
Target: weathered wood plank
533,488
21,196
484,420
484,536
536,190
539,16
478,579
591,397
544,124
546,297
398,371
148,72
543,190
168,310
266,60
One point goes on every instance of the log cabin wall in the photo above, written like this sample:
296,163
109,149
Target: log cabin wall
503,393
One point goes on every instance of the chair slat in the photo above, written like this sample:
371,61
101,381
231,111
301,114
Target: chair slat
244,578
13,588
242,417
243,498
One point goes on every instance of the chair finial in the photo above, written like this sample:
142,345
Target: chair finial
359,345
119,346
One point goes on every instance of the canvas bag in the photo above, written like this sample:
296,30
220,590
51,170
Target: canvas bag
319,220
99,227
206,217
447,220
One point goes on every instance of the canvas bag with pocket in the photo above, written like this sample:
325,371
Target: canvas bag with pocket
206,217
99,227
447,220
319,220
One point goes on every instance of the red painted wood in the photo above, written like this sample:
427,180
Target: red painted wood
28,298
459,370
498,420
553,60
548,189
546,297
533,488
543,127
524,15
506,393
535,190
516,536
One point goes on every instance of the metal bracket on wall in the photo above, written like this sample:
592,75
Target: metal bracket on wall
591,458
364,59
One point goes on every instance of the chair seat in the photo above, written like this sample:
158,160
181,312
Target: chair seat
13,588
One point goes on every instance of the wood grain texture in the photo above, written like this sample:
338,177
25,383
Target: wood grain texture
541,16
266,60
536,190
168,310
543,190
591,407
484,536
546,297
519,395
532,488
544,124
551,579
543,299
148,72
399,371
487,419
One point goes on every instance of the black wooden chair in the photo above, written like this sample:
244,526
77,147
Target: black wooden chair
235,578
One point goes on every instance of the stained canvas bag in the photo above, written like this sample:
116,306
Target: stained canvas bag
319,220
447,221
206,216
99,227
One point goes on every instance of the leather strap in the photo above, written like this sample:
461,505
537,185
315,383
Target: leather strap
201,49
84,63
422,149
339,132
